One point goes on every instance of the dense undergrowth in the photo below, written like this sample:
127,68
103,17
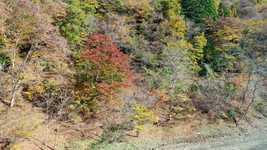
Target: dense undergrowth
74,59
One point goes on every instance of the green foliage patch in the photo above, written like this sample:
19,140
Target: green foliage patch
5,61
76,24
199,10
223,48
169,8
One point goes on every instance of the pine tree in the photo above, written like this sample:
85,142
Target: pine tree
199,10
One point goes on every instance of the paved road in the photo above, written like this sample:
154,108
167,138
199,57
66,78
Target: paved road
255,139
258,141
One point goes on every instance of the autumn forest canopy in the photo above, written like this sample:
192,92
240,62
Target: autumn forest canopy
128,66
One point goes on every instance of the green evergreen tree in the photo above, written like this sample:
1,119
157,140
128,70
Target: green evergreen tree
199,10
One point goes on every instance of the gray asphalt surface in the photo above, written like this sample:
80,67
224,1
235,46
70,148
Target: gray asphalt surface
256,139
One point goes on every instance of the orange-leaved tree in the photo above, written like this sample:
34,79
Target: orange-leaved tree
102,71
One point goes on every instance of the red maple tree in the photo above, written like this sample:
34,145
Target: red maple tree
104,54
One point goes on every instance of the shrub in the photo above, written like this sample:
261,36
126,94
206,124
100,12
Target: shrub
169,8
223,51
197,52
224,10
141,116
153,32
23,25
199,10
158,31
227,11
30,28
5,61
178,26
54,99
141,8
112,134
225,33
102,71
261,108
172,70
254,41
261,1
2,41
217,97
105,6
75,24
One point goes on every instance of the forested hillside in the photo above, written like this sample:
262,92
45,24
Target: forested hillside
84,74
